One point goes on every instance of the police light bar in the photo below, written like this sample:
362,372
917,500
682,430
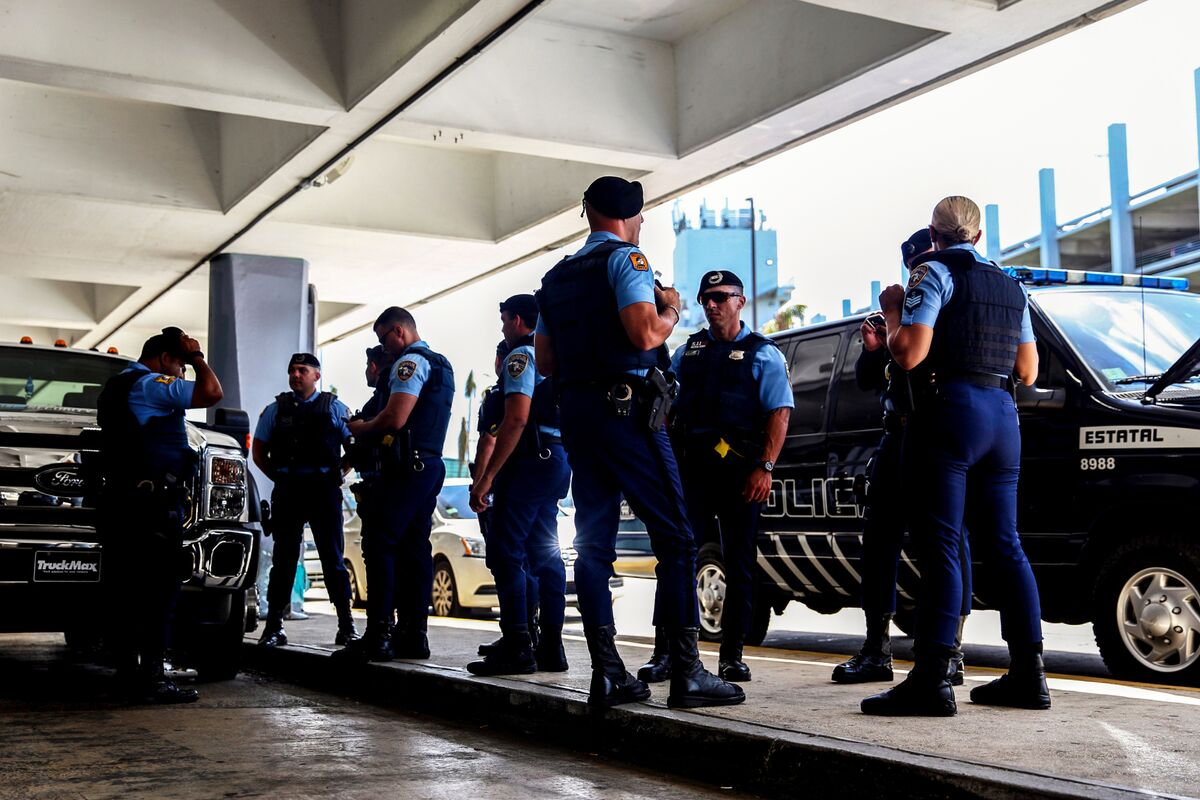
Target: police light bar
1041,276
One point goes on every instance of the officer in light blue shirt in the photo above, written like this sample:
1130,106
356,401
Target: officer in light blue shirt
731,417
527,474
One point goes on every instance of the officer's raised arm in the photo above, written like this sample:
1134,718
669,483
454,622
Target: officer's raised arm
208,391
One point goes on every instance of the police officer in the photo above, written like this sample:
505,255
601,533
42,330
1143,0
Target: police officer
730,422
963,328
601,335
528,471
885,522
298,445
147,467
413,427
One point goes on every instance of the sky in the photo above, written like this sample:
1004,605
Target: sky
842,203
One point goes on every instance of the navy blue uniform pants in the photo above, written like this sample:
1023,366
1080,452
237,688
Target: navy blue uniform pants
523,540
968,438
531,587
400,566
315,500
883,530
719,513
610,456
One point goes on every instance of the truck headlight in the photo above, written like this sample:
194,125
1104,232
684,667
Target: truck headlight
226,502
226,487
224,471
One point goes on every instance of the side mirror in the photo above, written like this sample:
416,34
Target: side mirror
1033,397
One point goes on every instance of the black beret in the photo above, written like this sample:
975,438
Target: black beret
524,306
615,198
919,242
718,277
379,356
307,359
502,349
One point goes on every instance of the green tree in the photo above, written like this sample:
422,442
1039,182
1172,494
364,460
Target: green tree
790,316
469,392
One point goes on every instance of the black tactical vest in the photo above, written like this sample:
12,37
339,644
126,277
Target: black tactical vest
718,395
579,308
491,410
131,453
980,328
305,439
430,418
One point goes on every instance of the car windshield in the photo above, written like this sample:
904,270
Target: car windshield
1107,329
33,379
454,502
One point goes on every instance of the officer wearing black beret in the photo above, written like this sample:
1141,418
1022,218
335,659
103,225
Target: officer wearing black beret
298,445
601,334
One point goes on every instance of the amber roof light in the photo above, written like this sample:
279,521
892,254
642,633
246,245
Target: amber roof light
60,342
113,351
26,340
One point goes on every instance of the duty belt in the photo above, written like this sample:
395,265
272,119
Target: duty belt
988,380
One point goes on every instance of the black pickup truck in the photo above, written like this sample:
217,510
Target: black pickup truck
52,559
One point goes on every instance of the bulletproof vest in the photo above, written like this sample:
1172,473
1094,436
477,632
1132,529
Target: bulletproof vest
543,408
305,438
131,453
980,328
717,390
430,418
491,410
579,309
379,398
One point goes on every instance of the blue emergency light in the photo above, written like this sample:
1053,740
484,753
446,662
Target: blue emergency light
1040,276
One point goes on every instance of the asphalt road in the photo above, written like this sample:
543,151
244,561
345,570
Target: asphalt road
64,735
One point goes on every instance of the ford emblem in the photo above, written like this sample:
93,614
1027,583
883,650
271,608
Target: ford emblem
61,480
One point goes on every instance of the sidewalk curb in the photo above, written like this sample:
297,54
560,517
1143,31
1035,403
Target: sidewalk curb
755,758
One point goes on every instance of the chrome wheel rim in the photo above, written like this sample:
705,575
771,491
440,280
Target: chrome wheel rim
710,592
1158,615
443,593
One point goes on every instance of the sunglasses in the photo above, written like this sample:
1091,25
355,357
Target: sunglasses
717,297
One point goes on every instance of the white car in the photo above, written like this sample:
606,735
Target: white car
461,579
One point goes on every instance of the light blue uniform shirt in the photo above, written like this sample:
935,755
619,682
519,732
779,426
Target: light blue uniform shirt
157,395
410,371
631,283
519,375
923,301
769,369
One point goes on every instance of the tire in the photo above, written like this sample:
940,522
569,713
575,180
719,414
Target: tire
357,598
906,620
218,650
83,642
710,591
444,600
1146,610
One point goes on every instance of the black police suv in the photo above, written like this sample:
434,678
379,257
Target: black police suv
1110,474
52,560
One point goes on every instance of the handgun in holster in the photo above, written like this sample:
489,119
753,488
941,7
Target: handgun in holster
662,389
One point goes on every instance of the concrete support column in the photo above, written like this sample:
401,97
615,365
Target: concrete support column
1049,238
991,222
1121,223
261,310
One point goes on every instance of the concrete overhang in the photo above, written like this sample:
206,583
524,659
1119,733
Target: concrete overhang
141,137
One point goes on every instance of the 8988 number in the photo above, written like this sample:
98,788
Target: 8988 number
1097,463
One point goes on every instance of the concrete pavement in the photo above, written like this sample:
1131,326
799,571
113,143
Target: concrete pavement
1101,739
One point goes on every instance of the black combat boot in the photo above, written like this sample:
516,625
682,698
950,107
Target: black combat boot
730,666
347,632
874,660
692,686
611,684
957,672
491,647
515,656
1023,686
926,692
411,644
158,689
273,634
658,668
376,645
549,652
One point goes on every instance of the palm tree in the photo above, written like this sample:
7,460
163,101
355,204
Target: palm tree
788,317
469,391
464,443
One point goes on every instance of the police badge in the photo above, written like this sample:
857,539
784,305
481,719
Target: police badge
737,355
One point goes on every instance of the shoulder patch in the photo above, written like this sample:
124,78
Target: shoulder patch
167,379
405,369
516,364
639,262
913,301
917,275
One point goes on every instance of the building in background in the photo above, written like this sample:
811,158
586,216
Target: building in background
722,241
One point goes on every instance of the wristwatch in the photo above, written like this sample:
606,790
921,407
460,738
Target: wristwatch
768,466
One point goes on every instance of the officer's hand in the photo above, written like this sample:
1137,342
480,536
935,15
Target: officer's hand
667,296
479,492
891,298
190,345
758,486
873,338
356,426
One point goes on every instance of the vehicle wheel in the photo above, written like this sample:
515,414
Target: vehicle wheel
356,596
445,591
906,620
218,651
710,591
82,641
760,619
1146,610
